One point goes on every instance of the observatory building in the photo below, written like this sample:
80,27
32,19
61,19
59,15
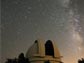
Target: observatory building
41,52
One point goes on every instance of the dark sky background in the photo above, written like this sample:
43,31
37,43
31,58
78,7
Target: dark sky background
0,30
24,21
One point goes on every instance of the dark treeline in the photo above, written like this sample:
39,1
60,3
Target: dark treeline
81,60
20,59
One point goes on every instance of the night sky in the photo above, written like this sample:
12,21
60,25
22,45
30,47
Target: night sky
24,21
0,31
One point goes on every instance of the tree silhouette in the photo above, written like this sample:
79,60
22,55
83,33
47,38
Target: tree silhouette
9,61
81,61
20,59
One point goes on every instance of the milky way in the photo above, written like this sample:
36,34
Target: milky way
75,30
24,21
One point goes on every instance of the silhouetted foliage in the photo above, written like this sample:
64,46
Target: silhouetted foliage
9,61
20,59
81,61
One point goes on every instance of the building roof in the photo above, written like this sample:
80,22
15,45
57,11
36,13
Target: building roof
42,49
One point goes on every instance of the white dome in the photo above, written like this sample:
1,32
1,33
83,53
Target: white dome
41,51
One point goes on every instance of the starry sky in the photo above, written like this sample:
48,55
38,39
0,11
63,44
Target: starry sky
24,21
0,31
